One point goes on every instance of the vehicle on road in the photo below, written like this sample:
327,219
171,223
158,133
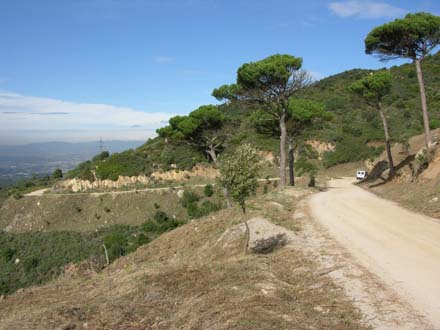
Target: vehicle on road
361,174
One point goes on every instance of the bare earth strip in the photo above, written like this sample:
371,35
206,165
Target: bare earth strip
400,247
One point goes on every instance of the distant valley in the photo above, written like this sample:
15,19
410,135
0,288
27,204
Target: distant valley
22,161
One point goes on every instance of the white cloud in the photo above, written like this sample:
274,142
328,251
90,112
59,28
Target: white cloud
365,9
36,116
163,59
317,75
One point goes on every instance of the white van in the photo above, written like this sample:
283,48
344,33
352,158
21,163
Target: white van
361,174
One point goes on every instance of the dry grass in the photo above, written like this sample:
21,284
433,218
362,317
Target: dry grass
195,277
422,197
85,212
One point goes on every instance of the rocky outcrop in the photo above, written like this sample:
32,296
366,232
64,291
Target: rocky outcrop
321,147
78,185
268,156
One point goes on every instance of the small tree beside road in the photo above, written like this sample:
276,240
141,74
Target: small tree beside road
239,174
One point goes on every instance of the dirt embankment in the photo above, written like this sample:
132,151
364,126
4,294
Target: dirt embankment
78,185
413,188
197,277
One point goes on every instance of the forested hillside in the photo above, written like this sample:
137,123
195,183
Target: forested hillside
355,128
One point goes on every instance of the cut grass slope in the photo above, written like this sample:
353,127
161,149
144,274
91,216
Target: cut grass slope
194,277
86,212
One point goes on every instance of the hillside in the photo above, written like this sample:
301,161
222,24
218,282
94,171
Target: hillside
354,130
196,277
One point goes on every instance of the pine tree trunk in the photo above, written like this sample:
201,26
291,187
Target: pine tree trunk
283,138
428,139
247,239
212,154
387,143
291,165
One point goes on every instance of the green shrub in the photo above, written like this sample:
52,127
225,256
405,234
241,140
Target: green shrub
17,195
83,171
434,123
101,156
115,251
350,150
208,191
197,211
142,239
57,174
116,244
7,254
193,210
209,207
161,217
188,198
149,226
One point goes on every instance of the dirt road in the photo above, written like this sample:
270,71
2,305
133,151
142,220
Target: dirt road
37,192
401,247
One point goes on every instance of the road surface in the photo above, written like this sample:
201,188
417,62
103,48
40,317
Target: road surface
37,192
399,246
47,191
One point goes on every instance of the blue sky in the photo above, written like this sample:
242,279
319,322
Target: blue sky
80,69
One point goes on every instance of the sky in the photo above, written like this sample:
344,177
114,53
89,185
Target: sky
80,70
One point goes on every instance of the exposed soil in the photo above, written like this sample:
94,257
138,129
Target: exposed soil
418,193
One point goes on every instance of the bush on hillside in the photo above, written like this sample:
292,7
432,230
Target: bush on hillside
208,190
57,174
188,198
101,156
350,151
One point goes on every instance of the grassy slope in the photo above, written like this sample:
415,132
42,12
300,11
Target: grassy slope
194,277
43,234
86,212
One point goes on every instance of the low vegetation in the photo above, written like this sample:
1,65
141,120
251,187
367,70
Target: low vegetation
33,258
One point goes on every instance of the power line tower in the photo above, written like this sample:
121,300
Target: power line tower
101,145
